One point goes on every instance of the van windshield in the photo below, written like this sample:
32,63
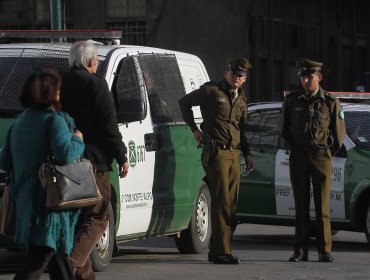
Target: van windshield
16,63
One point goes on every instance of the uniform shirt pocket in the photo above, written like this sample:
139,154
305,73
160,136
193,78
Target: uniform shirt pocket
223,108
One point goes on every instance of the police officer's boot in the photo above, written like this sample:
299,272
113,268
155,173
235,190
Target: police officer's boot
325,257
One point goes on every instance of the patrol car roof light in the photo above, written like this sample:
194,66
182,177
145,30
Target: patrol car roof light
107,36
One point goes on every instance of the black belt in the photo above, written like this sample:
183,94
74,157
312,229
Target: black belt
227,147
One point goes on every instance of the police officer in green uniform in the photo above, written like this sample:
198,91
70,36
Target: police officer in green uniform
224,110
313,129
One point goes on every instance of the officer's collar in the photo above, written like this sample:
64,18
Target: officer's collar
318,94
225,86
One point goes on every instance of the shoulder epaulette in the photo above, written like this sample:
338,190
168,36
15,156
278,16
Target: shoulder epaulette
330,96
210,83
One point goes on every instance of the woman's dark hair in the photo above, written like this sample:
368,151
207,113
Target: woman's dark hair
41,88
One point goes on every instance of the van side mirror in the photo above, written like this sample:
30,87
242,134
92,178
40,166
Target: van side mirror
131,109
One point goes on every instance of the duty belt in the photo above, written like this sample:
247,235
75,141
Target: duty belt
227,147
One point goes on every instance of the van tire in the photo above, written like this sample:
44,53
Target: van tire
195,239
102,253
367,222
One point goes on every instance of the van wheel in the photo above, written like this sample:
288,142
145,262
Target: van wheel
195,239
367,222
102,253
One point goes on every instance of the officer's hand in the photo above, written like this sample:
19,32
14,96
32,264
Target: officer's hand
123,170
198,136
249,162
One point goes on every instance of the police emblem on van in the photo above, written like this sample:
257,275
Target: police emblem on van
132,153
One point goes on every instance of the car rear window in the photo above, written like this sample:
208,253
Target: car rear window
358,125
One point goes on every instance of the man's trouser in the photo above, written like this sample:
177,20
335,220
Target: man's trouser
41,257
315,166
223,174
92,223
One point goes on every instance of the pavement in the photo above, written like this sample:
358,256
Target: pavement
263,250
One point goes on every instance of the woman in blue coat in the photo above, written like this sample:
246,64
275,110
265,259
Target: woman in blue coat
46,234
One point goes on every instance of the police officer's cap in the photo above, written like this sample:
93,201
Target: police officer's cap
307,67
239,66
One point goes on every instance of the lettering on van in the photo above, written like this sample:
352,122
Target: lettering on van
135,200
136,154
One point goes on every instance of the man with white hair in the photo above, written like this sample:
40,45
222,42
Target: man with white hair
86,97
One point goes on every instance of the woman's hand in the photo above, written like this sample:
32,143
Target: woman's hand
78,133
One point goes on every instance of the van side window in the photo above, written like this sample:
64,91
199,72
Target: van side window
129,86
164,86
17,63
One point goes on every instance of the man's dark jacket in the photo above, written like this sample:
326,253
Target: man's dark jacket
87,99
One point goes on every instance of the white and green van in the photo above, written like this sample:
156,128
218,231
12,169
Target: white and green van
165,192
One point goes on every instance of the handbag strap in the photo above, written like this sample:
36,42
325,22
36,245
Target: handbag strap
48,130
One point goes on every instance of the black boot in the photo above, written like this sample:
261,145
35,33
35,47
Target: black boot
299,256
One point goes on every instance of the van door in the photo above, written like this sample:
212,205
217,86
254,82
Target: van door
147,194
135,191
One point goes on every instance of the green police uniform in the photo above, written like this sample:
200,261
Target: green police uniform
313,128
224,120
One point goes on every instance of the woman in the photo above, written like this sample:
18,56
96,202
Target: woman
41,129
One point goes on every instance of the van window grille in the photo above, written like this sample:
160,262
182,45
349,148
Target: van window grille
164,86
129,83
159,75
17,63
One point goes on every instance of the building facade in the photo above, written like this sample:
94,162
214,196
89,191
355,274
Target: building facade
273,34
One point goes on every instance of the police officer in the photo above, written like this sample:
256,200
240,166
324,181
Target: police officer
224,110
313,128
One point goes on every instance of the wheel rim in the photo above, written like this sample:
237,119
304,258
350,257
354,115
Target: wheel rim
102,246
202,217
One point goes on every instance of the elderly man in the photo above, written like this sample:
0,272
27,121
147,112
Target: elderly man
86,97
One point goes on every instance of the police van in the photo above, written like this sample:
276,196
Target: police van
165,192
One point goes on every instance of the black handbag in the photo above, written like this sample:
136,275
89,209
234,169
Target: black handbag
69,186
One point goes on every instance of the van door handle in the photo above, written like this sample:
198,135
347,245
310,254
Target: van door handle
152,142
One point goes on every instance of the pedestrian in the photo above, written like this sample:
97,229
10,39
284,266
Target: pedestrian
86,97
46,235
224,110
313,129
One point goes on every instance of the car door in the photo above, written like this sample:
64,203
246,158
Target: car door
257,189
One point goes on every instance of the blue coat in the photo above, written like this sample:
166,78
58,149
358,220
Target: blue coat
28,147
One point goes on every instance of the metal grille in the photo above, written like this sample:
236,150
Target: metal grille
17,63
133,32
357,124
160,75
164,86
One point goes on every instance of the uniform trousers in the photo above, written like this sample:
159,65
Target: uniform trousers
223,174
92,223
312,166
41,257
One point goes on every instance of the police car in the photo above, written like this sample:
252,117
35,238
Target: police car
266,195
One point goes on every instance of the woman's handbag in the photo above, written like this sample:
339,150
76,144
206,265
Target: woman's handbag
7,214
69,186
